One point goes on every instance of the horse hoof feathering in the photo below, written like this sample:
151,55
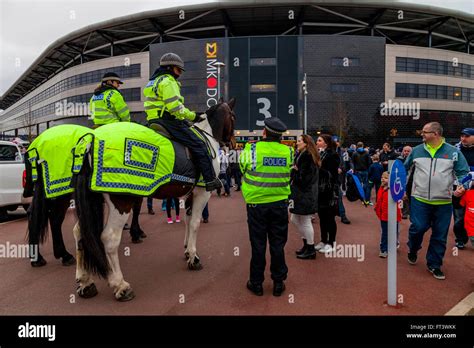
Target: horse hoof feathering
88,291
194,265
125,295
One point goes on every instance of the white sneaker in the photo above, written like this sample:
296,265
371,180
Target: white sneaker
326,249
319,246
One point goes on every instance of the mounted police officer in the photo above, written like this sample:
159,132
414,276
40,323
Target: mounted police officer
164,105
107,104
266,166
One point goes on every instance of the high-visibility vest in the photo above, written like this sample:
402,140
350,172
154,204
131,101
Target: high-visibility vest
109,107
163,94
266,167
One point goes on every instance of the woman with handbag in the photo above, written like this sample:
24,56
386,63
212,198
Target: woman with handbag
304,193
328,192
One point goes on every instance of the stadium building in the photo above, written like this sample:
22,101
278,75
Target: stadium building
373,70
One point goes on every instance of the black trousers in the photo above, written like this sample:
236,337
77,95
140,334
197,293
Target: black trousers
327,223
169,201
181,132
270,221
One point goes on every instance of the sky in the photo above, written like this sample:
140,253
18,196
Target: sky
28,27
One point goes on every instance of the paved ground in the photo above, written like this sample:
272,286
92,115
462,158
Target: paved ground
157,271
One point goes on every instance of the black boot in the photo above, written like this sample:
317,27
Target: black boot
309,253
302,250
213,185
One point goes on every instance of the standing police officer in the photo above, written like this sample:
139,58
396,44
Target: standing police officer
266,166
107,104
164,105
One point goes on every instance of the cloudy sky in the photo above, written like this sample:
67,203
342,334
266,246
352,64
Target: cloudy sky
28,27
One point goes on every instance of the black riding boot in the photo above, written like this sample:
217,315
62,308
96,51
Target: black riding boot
309,253
303,249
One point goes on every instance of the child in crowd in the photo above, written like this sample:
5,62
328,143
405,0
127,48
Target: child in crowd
381,209
375,175
467,201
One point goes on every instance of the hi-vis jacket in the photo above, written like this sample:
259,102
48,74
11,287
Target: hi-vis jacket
109,107
434,176
266,167
163,94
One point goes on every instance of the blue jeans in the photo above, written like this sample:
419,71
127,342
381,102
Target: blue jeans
342,210
375,184
364,181
422,217
384,236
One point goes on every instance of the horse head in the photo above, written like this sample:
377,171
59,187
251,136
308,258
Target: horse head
221,118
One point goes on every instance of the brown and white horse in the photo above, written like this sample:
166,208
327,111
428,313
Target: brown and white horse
97,246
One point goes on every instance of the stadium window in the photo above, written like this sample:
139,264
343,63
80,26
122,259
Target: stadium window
400,90
465,94
411,65
465,70
441,92
263,88
422,91
262,61
457,93
431,91
432,67
450,93
412,90
401,64
422,66
471,95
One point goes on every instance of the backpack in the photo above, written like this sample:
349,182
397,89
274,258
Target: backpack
352,194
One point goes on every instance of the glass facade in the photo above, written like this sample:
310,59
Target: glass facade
413,90
133,70
438,67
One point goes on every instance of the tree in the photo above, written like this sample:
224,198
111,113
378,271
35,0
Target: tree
340,119
29,124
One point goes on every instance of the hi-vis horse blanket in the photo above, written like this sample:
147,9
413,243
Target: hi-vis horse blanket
130,158
52,151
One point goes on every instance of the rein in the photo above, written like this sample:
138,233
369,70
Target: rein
206,140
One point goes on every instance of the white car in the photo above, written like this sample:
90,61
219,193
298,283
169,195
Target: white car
12,174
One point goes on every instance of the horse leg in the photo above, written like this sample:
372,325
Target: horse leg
200,199
57,214
111,237
135,231
38,260
86,287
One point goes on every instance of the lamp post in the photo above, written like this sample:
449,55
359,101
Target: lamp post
219,65
305,91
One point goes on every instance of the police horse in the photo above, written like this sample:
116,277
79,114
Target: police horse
97,246
52,195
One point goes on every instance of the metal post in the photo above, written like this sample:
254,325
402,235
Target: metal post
392,247
305,91
219,64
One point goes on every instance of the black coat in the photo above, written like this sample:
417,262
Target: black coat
304,185
330,163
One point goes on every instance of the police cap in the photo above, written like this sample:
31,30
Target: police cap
275,125
468,131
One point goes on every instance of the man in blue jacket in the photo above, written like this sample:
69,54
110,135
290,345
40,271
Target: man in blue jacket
435,164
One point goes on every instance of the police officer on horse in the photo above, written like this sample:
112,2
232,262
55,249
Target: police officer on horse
165,105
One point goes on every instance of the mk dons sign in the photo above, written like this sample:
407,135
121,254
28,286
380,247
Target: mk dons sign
211,74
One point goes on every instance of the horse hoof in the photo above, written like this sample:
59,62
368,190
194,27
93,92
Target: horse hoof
68,260
137,241
40,263
87,292
195,266
127,295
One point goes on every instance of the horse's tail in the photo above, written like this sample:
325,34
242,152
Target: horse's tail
90,211
38,211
